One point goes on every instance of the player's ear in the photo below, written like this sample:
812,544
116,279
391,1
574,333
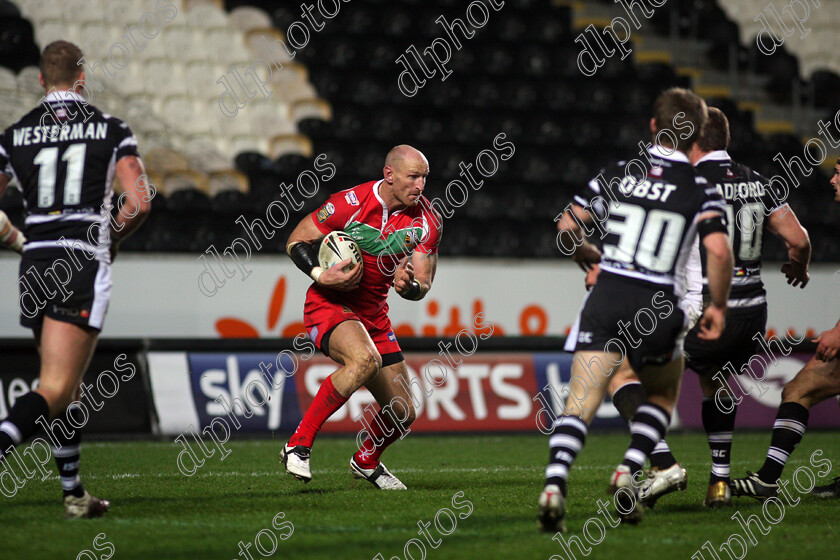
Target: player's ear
653,126
41,80
388,174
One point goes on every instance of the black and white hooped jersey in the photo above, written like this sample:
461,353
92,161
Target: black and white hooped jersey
750,199
646,214
63,154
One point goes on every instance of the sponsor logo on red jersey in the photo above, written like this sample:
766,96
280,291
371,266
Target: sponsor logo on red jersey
351,198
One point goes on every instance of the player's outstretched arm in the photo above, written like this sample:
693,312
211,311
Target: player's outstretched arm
300,249
570,235
10,236
719,264
414,276
138,195
783,224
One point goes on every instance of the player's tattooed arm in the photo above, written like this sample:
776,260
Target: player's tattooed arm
136,202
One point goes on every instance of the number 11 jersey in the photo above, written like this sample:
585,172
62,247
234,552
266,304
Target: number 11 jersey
63,154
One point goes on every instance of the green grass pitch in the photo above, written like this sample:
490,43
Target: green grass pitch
157,513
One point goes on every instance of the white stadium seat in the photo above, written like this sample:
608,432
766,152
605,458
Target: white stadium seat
27,81
41,10
122,13
816,51
238,125
200,80
248,143
8,80
163,78
290,91
81,11
311,108
168,90
180,112
49,31
206,17
131,80
268,118
246,18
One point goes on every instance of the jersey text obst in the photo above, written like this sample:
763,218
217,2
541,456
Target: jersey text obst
648,215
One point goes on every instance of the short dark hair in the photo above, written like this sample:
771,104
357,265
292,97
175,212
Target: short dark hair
715,133
60,64
678,103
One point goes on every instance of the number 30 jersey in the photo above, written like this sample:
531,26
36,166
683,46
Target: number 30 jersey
646,214
750,199
63,154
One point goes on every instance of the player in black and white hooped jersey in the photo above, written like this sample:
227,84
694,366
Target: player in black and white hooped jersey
647,217
65,155
754,206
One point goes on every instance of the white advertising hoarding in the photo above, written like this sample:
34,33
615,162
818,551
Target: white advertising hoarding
159,296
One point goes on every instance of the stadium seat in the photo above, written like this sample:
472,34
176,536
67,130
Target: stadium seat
268,119
226,180
27,81
41,10
8,9
290,144
229,202
163,160
175,181
311,109
8,80
246,18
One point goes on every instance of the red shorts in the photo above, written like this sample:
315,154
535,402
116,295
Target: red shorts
321,314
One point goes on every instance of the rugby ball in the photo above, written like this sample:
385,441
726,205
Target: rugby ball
336,247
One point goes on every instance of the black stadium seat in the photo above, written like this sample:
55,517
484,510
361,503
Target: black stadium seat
17,45
517,75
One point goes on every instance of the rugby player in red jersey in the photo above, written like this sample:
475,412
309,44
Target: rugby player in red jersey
346,313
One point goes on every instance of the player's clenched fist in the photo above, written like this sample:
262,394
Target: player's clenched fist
712,323
404,277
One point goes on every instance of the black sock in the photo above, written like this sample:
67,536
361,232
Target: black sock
790,425
67,459
648,427
627,399
20,424
566,441
661,456
719,425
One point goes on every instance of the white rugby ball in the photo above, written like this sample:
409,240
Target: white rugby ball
336,247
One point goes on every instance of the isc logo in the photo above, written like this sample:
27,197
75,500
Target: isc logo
239,386
585,337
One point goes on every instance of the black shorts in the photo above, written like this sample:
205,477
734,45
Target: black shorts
735,345
620,313
52,286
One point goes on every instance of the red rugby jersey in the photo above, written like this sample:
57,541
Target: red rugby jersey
384,238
